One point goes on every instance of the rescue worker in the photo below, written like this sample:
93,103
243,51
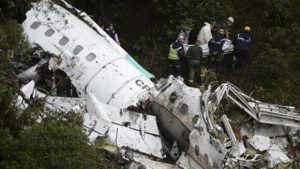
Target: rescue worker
112,33
241,47
194,56
215,46
224,24
185,32
205,34
176,51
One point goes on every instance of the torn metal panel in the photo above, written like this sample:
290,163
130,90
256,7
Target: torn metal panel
170,125
21,103
152,164
251,162
145,161
27,92
238,150
261,112
265,130
123,117
132,139
278,133
203,148
31,73
183,101
65,104
276,114
229,130
243,105
95,107
205,103
177,107
131,136
124,128
27,89
137,121
275,156
186,162
95,126
142,135
206,151
219,93
260,143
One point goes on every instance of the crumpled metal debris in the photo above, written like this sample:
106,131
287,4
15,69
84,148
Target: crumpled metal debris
159,125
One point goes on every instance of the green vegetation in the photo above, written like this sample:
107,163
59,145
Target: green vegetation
53,145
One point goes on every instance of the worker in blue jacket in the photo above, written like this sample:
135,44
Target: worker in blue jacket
175,53
112,33
215,46
241,47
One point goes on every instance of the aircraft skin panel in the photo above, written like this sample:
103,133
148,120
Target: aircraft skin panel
148,144
208,156
34,37
125,95
97,58
130,90
110,80
120,78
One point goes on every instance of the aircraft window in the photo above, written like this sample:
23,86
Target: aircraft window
35,25
49,32
77,49
90,57
63,41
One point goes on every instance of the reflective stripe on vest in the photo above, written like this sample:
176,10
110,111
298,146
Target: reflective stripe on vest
242,38
173,54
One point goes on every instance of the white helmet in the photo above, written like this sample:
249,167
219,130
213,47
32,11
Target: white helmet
180,37
230,19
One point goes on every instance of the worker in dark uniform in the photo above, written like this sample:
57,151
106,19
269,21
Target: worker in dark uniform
241,47
194,56
176,51
112,33
215,46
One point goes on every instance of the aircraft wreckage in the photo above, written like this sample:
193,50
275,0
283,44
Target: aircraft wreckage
160,125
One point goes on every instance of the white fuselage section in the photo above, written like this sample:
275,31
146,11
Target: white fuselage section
93,61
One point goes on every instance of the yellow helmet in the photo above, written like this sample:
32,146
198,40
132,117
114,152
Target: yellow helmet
247,28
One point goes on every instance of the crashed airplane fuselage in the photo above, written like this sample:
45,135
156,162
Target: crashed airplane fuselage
193,128
92,60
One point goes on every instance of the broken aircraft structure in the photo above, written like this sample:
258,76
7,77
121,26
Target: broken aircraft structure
160,125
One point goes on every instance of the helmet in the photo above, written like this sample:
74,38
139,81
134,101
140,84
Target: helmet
180,37
247,28
221,31
230,19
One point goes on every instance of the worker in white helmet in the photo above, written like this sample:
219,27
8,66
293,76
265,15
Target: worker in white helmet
185,32
224,24
205,34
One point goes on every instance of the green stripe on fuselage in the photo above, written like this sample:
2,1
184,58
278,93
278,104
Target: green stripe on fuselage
139,67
